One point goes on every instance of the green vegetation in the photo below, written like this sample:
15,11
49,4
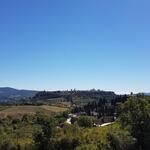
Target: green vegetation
77,97
85,121
131,130
135,117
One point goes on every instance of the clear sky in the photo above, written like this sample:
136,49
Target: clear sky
82,44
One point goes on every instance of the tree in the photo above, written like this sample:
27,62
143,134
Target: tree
121,140
67,144
134,115
43,137
85,121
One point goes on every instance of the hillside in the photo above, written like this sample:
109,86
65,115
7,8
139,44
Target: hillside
76,96
147,94
8,94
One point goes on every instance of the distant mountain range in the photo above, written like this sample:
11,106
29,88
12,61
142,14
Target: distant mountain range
147,94
8,94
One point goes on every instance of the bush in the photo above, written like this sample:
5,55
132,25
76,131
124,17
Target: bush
85,121
7,145
121,140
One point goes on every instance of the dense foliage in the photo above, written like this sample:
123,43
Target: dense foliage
131,131
73,95
101,106
135,116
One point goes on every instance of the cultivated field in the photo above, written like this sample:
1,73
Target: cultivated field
17,111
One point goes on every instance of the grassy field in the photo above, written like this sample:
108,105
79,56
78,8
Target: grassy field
17,111
4,107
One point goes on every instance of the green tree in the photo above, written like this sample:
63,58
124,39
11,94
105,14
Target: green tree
121,140
85,121
134,115
43,137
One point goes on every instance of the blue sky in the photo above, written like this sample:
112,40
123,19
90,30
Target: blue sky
82,44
